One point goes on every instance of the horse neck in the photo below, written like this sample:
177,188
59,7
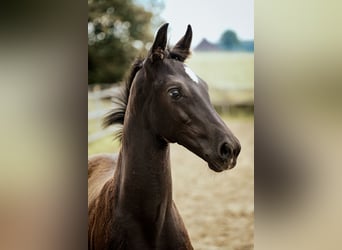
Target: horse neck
144,175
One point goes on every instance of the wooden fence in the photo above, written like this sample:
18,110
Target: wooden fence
97,98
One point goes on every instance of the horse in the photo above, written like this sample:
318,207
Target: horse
130,203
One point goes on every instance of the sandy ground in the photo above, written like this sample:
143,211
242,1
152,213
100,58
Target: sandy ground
217,208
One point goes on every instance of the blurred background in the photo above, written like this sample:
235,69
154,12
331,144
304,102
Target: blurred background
218,209
44,127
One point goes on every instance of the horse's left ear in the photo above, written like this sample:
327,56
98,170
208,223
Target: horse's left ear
182,49
157,51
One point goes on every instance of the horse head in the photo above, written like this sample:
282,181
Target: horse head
177,104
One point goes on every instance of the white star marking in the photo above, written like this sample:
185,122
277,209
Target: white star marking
191,74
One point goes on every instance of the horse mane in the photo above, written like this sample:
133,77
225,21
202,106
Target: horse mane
117,114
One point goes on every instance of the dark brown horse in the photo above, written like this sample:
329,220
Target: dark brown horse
130,202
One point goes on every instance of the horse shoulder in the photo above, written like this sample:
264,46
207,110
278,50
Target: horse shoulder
100,170
176,234
101,190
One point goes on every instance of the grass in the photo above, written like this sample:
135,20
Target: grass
94,125
224,70
104,145
230,75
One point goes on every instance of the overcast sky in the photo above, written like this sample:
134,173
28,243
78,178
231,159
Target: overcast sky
209,18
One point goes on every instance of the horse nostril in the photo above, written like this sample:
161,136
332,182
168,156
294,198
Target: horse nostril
237,150
225,151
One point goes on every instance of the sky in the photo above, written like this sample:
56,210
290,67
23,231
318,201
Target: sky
209,19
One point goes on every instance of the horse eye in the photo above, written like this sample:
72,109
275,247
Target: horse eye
175,94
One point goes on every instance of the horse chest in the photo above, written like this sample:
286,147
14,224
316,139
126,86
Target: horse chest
166,232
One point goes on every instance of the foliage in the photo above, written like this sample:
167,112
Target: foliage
229,39
117,30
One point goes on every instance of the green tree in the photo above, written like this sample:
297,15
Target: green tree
117,31
229,40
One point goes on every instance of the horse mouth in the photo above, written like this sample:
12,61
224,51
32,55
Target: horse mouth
219,167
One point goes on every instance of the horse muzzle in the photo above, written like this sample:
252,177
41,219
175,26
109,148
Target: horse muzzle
226,156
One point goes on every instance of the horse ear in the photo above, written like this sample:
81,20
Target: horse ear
182,49
159,44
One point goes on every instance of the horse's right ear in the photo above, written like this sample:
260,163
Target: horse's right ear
182,49
157,51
